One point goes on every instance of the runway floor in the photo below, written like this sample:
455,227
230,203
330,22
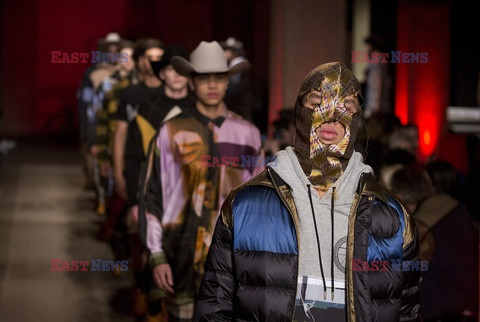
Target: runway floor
46,214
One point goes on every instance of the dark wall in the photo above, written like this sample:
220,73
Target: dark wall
384,24
465,44
465,65
38,97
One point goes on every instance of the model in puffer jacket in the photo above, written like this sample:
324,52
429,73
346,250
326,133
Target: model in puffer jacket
314,237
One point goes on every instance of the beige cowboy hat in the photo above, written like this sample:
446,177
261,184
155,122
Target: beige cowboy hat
207,58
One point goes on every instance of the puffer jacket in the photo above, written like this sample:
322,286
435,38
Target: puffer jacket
252,266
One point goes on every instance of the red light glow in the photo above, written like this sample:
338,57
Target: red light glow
422,89
427,138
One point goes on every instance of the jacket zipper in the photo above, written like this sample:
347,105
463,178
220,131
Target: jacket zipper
353,211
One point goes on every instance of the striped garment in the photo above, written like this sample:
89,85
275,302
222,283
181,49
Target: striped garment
108,94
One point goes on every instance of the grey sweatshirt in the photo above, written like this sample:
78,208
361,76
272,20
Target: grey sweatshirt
289,169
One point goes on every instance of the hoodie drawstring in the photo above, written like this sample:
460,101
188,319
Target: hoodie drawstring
318,241
333,226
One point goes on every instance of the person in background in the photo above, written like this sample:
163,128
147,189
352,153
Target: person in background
401,152
173,97
146,50
448,241
125,163
412,185
284,131
199,157
91,80
113,228
239,97
102,165
378,82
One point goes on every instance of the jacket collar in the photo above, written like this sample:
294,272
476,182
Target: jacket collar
368,186
205,119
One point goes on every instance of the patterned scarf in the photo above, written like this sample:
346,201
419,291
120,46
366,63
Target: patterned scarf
324,163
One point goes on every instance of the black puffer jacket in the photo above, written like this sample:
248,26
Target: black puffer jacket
252,267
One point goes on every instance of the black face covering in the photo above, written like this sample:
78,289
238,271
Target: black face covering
171,51
156,67
331,83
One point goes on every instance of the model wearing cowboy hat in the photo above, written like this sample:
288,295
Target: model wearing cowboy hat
186,187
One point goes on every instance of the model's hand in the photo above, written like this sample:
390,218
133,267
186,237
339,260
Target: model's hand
162,275
121,187
133,213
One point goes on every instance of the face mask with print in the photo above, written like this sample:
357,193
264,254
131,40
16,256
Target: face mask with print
327,121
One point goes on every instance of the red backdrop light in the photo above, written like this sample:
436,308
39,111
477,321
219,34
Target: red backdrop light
422,89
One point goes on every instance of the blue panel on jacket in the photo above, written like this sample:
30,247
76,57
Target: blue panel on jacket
261,222
391,248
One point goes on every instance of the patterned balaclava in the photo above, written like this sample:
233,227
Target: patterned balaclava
324,163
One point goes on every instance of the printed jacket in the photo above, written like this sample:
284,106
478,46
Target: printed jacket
186,188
